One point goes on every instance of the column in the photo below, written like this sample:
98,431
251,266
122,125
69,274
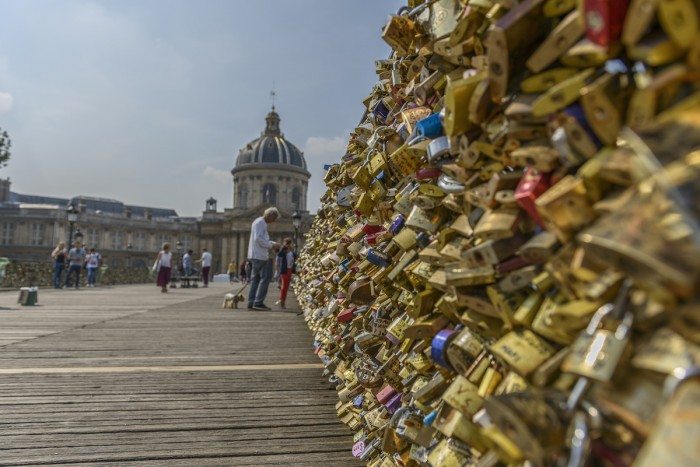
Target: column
238,250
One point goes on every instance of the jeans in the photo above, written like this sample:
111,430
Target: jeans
74,268
92,275
261,273
57,271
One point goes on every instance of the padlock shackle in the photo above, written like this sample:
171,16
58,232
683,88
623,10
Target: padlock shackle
622,299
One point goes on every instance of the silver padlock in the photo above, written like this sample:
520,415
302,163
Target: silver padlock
597,351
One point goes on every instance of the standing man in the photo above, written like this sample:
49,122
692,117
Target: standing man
259,255
206,266
94,260
76,256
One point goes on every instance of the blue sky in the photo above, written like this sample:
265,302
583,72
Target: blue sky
149,101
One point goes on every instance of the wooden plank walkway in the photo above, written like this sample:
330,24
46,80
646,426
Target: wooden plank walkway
128,375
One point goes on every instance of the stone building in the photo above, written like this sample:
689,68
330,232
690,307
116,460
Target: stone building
269,171
126,235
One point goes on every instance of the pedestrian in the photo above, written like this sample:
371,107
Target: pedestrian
163,266
243,272
275,260
259,257
76,258
206,266
248,270
287,261
231,271
94,261
59,263
187,263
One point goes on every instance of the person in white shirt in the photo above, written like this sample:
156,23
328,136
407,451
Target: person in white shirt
206,266
162,266
93,262
259,257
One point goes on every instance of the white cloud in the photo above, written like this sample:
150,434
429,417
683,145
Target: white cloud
5,102
319,146
219,175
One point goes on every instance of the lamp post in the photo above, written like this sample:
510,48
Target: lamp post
296,221
72,215
178,247
129,247
78,236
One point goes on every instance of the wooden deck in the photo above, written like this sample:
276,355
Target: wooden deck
129,375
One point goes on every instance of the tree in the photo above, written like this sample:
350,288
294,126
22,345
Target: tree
5,145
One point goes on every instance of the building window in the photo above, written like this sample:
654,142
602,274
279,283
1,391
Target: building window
117,240
36,234
7,233
93,238
296,198
243,196
269,193
140,241
163,238
186,242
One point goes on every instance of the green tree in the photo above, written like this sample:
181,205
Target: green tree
5,145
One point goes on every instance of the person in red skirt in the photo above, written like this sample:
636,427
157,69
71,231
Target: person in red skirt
163,267
287,259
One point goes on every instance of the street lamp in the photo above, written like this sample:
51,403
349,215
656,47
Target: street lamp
78,236
296,221
178,247
129,247
72,215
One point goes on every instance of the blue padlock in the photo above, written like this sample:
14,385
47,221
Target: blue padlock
430,418
429,127
358,400
576,111
438,347
397,224
381,111
378,258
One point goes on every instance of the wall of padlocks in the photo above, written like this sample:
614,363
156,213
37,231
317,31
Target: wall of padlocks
504,270
25,273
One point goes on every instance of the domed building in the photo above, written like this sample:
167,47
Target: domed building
269,171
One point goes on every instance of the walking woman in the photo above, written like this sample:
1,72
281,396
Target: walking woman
287,258
59,263
164,265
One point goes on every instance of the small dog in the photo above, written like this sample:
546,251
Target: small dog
229,301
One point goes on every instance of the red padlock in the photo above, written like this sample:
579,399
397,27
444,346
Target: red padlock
371,239
530,187
428,173
370,229
604,20
346,315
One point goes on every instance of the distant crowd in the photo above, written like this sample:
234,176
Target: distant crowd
267,260
73,261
